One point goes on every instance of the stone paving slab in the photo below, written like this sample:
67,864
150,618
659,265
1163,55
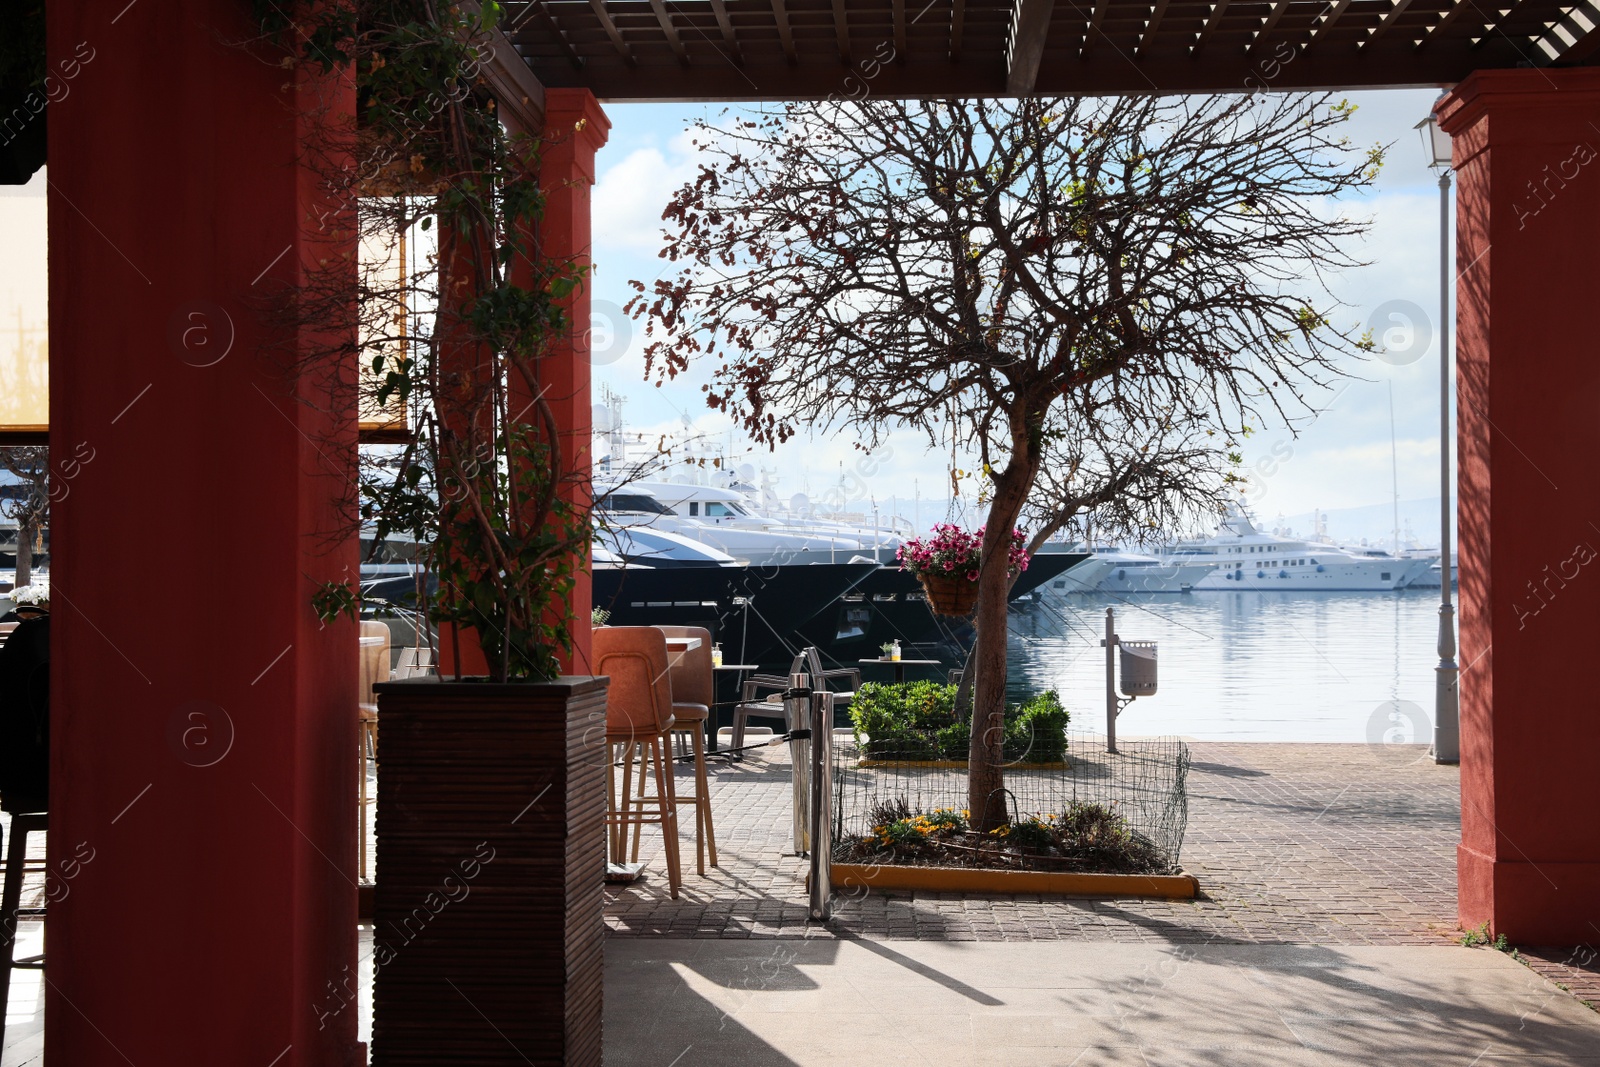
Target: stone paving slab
1326,844
814,1002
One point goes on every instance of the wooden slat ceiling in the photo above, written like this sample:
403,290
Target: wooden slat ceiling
644,50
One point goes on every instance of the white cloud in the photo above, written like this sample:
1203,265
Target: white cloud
630,195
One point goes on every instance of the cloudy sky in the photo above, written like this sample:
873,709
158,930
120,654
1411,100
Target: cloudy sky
1340,461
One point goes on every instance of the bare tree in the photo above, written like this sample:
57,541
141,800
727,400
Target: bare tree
30,508
1007,276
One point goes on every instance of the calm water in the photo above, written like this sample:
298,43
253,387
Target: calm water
1348,667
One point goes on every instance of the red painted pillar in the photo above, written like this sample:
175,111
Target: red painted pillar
1527,158
202,838
465,370
575,129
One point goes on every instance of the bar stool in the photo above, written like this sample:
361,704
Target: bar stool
24,776
693,693
639,722
22,824
373,667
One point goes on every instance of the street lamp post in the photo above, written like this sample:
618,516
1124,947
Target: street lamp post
1446,720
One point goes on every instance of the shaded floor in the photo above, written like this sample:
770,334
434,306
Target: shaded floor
804,1003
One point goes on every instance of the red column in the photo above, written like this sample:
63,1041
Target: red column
202,838
1527,159
575,129
464,371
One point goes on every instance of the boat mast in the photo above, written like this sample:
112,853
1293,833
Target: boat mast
1394,470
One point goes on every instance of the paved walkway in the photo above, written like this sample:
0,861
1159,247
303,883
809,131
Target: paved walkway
707,1003
1324,844
1293,844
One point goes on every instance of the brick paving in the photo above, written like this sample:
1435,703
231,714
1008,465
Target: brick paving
1327,844
1577,970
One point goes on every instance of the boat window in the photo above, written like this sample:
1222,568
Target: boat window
694,508
1313,561
632,502
717,511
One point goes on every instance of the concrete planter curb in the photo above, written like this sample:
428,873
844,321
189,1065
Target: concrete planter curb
980,881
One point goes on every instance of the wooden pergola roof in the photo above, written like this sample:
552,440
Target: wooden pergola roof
661,50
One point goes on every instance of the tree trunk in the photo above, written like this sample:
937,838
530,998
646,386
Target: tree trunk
986,800
25,535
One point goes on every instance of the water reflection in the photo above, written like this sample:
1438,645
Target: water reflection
1245,666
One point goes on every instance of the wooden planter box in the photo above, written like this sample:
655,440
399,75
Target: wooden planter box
979,881
488,910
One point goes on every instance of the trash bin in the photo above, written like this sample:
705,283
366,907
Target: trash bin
1138,668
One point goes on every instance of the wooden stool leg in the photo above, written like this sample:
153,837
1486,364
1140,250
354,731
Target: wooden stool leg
10,902
626,809
361,804
611,803
8,931
667,796
639,804
702,792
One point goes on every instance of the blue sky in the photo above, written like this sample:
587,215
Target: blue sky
1341,460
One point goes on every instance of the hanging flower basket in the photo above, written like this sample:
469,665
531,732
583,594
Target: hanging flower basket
947,565
950,596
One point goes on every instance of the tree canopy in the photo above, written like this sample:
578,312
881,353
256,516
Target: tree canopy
1095,297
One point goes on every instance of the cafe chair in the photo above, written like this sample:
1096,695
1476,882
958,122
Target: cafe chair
821,680
808,662
639,722
693,695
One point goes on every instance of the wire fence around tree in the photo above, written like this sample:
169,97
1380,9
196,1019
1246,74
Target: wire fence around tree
1145,782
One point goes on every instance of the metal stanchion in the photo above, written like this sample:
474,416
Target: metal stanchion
797,713
821,806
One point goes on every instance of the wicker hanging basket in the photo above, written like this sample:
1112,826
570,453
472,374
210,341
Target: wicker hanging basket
949,596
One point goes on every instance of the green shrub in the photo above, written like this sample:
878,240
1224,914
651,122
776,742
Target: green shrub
903,721
917,721
1099,838
1036,731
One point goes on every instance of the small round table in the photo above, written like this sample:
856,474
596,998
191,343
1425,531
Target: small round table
900,665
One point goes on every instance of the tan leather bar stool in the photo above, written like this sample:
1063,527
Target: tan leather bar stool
639,723
693,693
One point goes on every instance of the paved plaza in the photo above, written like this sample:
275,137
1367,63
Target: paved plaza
1325,934
776,1003
1308,844
1293,844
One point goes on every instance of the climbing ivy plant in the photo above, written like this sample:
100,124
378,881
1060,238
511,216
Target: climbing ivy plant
450,312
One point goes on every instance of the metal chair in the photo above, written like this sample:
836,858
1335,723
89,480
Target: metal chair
821,678
639,721
693,694
809,662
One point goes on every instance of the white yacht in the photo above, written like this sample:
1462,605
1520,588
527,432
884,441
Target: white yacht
719,519
1134,572
1082,577
1429,579
1240,557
